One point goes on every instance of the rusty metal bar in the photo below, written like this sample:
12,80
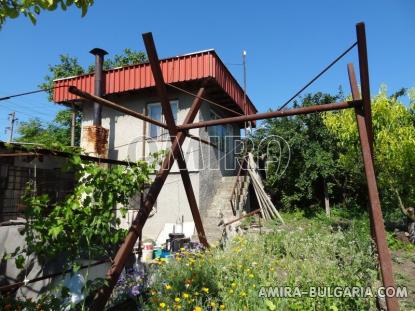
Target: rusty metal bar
41,152
13,287
134,232
242,217
375,211
356,95
115,106
110,104
168,115
272,114
99,82
364,79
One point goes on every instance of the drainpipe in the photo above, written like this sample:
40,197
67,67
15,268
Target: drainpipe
99,82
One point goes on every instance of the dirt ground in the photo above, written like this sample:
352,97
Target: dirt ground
404,269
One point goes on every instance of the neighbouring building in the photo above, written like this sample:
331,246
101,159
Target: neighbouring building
128,138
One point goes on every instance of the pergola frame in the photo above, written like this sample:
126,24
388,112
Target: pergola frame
360,103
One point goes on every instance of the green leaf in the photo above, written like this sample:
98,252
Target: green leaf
19,261
32,18
270,305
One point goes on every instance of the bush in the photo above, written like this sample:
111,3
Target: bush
303,254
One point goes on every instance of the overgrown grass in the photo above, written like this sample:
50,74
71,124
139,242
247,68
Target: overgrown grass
304,253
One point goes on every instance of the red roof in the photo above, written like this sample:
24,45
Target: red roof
186,68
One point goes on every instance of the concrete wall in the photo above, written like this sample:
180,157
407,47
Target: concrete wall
126,142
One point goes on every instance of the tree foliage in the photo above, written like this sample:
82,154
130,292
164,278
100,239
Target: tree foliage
394,147
32,8
312,159
83,225
58,131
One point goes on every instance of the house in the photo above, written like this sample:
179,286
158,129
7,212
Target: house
128,138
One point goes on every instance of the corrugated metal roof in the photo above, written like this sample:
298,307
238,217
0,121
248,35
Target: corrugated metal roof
189,67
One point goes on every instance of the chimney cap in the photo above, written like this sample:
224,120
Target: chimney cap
98,51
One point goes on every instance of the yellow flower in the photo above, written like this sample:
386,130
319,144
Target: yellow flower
222,307
162,305
177,299
205,289
243,294
212,304
182,249
168,286
233,285
251,276
231,291
254,286
186,295
197,309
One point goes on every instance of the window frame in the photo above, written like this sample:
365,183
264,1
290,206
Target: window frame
162,133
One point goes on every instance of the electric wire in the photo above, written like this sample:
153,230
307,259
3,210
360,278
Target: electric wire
205,99
318,76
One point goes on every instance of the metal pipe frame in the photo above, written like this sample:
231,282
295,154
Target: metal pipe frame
135,230
107,103
272,114
363,117
375,211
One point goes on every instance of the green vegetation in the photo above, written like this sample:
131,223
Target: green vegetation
325,149
305,253
394,145
32,8
58,132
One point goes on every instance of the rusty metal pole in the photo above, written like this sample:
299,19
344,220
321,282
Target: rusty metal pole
135,230
271,114
375,211
364,79
105,102
99,82
168,115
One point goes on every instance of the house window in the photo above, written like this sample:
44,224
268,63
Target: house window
156,112
217,133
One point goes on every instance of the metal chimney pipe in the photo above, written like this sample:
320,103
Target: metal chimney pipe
99,82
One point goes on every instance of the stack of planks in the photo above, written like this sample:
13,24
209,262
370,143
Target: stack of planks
267,208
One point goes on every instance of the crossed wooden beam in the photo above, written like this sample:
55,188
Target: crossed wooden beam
361,105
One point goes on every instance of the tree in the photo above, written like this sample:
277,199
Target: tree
394,148
32,8
312,164
58,131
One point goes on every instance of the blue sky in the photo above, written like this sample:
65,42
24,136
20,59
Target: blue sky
287,43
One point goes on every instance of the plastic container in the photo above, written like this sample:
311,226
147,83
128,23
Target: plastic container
147,255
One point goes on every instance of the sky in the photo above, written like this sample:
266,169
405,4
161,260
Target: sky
287,44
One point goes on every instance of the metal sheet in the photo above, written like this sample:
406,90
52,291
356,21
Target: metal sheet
184,68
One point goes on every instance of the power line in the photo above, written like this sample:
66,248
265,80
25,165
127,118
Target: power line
318,76
32,92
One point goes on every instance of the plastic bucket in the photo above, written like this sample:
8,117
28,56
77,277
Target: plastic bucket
147,255
147,246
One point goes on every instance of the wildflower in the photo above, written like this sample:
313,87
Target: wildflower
186,295
243,294
135,290
177,299
254,286
205,289
212,304
231,291
250,275
167,286
197,309
162,305
233,284
182,249
222,307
